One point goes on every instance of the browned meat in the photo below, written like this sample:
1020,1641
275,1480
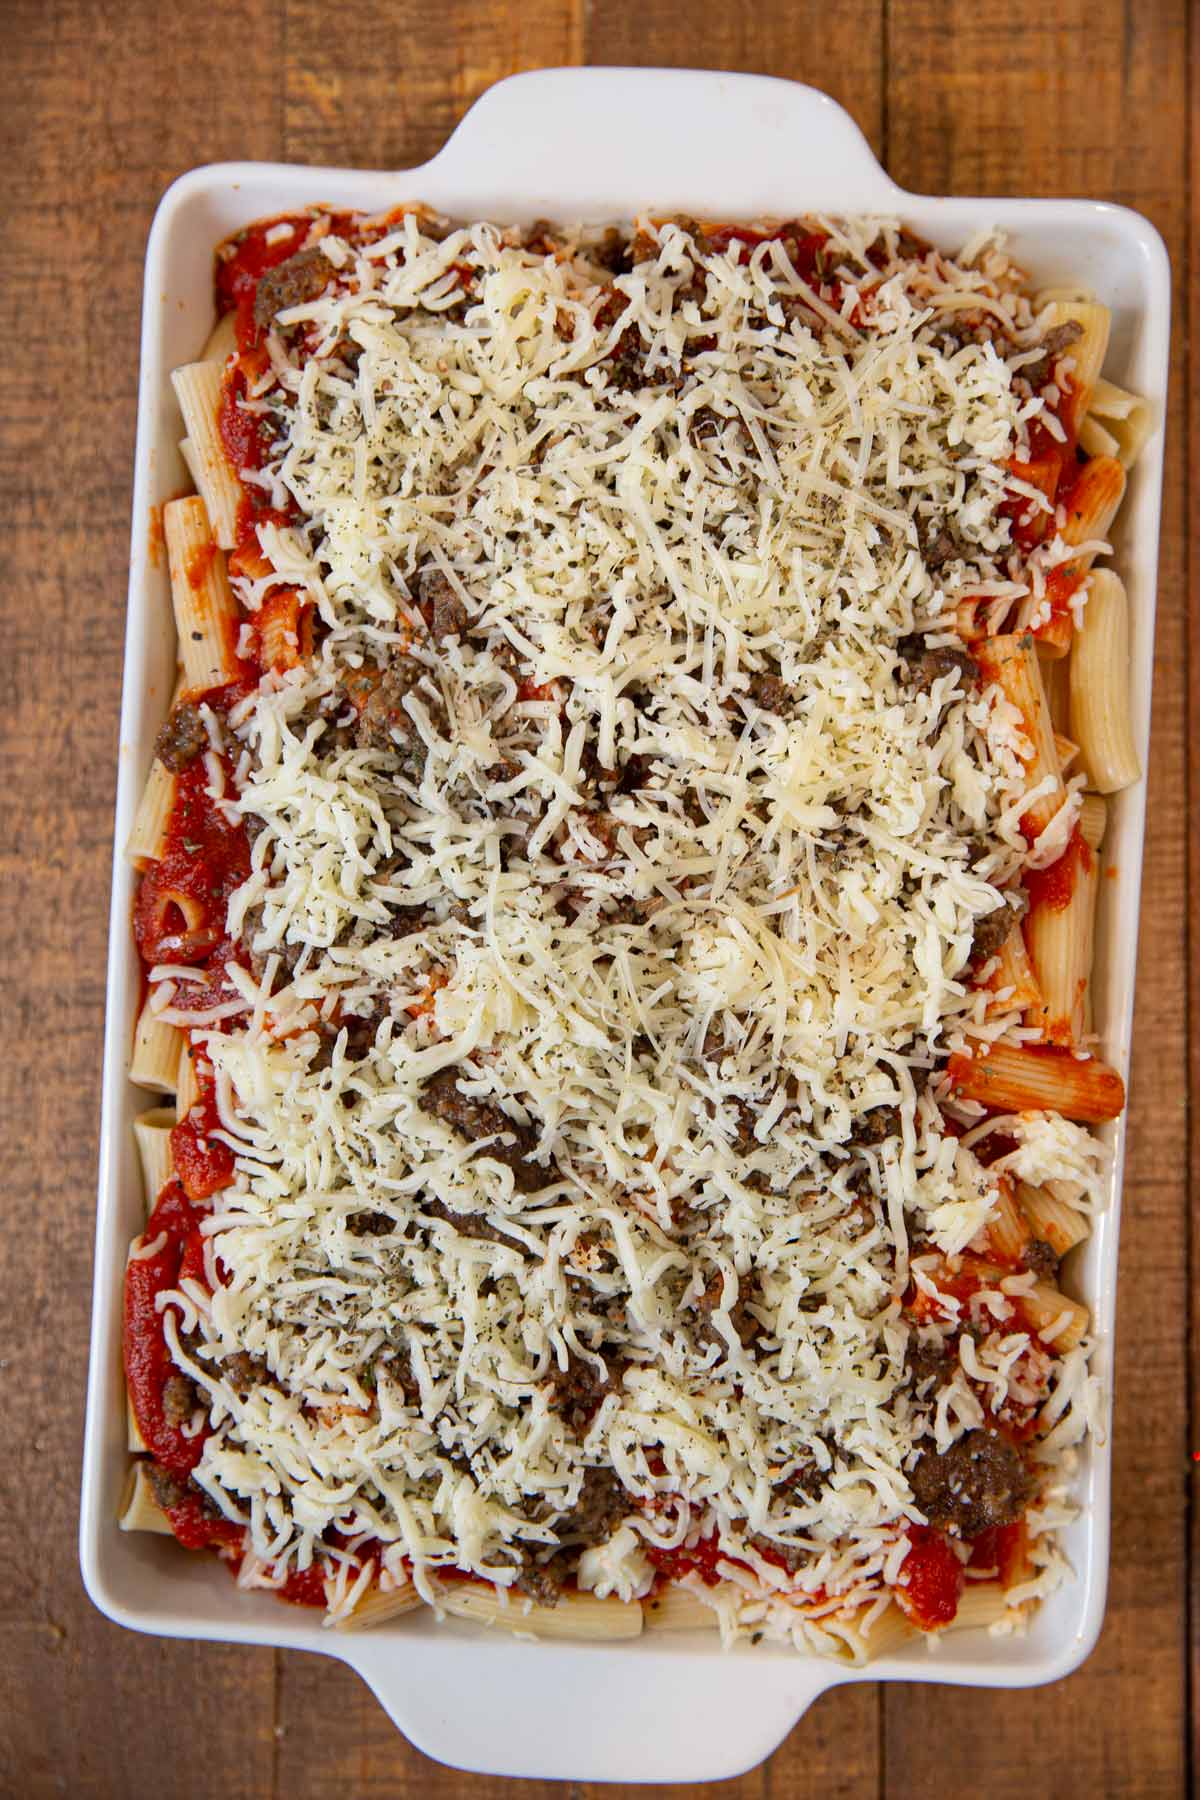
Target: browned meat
613,252
543,1581
704,425
628,911
385,722
875,1126
938,549
362,1027
1042,1258
290,283
404,921
398,1365
180,1397
925,665
575,1392
808,1479
979,1482
993,930
444,1099
449,615
601,1506
167,1489
243,1372
626,364
370,1224
181,739
771,693
472,1225
1055,343
745,1325
785,1556
925,1362
747,1119
289,954
634,774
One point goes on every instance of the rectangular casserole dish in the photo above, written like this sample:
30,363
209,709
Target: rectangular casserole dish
599,144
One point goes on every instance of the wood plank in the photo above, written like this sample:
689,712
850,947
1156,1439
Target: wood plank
1188,268
836,48
99,111
387,91
997,97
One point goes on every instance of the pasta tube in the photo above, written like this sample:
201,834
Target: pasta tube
206,613
1039,1077
198,390
1100,715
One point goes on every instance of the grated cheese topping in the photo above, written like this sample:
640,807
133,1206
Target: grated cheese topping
658,870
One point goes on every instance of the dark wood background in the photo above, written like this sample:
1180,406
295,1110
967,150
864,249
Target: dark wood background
100,106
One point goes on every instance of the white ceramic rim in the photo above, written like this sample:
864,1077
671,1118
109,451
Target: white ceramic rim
596,144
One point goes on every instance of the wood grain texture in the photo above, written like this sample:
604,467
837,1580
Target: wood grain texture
99,108
837,48
89,144
1188,269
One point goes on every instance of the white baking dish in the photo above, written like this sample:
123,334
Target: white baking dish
595,144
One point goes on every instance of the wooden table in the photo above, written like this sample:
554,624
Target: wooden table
102,106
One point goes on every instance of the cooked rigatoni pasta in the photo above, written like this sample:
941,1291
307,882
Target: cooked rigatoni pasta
198,391
206,613
620,876
1100,707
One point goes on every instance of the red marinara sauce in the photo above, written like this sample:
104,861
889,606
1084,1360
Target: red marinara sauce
179,915
197,1527
148,1364
697,1559
248,439
205,1163
1054,886
249,436
242,261
1002,1548
304,1587
1061,584
803,247
931,1579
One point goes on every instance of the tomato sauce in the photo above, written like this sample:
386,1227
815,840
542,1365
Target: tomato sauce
203,1161
1054,886
533,690
180,911
931,1579
803,247
957,1284
697,1559
304,1587
196,1527
249,439
148,1365
244,260
1002,1548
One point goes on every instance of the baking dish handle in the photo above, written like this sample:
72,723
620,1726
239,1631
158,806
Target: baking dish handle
585,139
582,1712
